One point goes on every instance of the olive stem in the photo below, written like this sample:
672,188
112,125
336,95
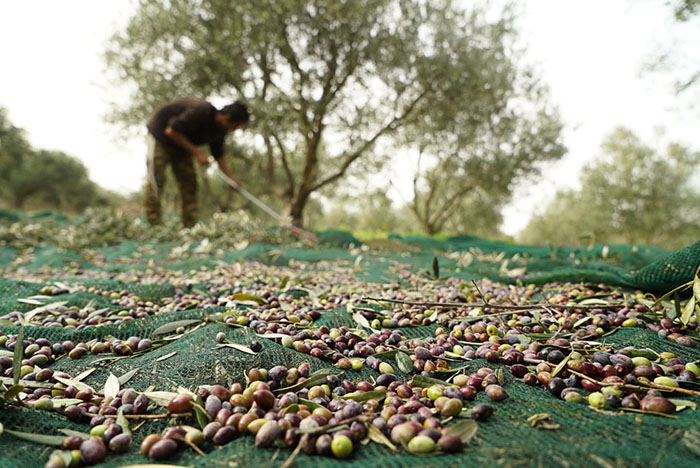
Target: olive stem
150,416
296,451
637,387
512,307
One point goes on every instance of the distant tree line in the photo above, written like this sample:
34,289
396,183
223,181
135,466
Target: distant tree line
36,179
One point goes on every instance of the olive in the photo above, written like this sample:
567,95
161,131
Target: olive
212,405
323,444
555,386
224,435
210,429
341,446
402,433
450,443
658,404
496,392
148,442
111,431
140,405
421,444
482,411
92,451
264,399
162,449
256,346
267,434
180,403
452,407
120,443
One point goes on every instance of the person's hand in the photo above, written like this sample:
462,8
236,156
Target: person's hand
202,158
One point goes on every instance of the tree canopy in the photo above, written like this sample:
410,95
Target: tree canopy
632,194
328,81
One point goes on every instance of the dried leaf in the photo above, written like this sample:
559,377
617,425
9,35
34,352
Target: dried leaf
75,383
403,362
65,401
377,436
160,398
465,430
361,320
126,377
30,315
238,347
30,301
84,374
111,386
683,404
172,326
167,356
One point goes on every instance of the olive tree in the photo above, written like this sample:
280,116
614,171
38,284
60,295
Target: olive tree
326,80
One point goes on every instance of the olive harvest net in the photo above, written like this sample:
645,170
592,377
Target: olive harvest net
577,437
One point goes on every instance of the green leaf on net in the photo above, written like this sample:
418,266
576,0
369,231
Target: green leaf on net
54,441
403,362
465,430
688,311
172,326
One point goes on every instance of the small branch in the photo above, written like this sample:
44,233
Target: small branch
494,306
296,451
151,416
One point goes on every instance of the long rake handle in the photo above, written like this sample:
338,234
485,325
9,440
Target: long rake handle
295,229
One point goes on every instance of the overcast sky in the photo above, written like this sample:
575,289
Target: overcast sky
590,53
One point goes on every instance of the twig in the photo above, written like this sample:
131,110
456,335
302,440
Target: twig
636,388
150,416
296,451
514,307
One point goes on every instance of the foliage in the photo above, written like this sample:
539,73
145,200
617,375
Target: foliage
43,179
328,81
633,195
100,227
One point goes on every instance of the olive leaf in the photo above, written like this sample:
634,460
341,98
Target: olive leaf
283,283
167,356
403,362
683,404
161,398
425,381
203,417
237,347
365,396
111,386
316,378
126,377
79,385
561,365
17,359
688,311
465,430
84,374
13,391
310,404
249,297
123,422
293,408
60,402
43,439
71,432
377,436
172,326
436,268
361,320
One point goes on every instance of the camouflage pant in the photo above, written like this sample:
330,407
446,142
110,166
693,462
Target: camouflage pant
159,156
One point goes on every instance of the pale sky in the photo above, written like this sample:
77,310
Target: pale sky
590,53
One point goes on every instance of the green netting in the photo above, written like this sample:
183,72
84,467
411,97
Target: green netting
586,438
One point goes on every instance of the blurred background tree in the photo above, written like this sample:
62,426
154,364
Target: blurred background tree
329,81
632,194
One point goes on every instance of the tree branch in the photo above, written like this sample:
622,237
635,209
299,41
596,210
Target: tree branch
356,154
